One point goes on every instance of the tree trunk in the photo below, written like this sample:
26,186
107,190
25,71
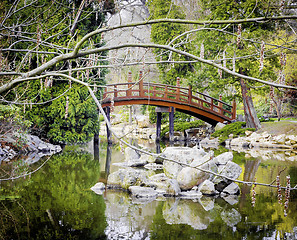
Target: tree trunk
252,121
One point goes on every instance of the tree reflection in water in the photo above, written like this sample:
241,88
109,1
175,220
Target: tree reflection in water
56,203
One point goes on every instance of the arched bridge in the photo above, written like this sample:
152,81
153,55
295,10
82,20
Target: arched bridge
183,99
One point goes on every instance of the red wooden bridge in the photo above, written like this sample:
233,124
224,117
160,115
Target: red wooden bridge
183,99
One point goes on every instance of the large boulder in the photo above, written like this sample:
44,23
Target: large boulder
189,177
181,156
231,170
131,154
164,185
124,178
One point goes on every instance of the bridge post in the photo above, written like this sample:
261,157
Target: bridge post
190,94
171,124
108,133
220,105
115,89
141,93
177,89
158,127
129,91
233,109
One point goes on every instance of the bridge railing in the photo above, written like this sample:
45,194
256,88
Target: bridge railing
177,94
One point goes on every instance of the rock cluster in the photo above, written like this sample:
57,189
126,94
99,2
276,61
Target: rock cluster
264,140
30,145
192,173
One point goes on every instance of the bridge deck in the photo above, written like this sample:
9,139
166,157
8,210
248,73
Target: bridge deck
183,99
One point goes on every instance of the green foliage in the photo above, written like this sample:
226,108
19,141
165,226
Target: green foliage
237,129
47,25
182,126
82,119
11,119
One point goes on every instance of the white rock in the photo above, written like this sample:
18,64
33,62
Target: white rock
231,170
164,184
190,194
98,188
219,126
143,192
131,154
232,189
207,188
223,158
180,155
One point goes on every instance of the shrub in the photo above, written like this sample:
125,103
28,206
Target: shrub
237,129
182,126
12,120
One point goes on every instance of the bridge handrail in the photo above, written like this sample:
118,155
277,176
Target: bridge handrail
134,84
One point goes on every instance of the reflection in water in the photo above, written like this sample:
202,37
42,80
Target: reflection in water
108,159
56,203
250,170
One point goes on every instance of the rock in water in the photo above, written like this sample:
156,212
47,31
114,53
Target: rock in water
98,188
143,192
207,188
224,158
179,155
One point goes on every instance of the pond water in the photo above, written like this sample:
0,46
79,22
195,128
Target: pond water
56,202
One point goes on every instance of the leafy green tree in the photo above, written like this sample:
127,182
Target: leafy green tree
72,117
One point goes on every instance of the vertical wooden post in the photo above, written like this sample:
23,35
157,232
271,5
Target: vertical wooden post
115,90
234,109
108,133
141,93
177,90
158,127
220,105
129,91
190,94
171,124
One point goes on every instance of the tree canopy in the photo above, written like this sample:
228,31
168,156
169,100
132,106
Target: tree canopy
227,45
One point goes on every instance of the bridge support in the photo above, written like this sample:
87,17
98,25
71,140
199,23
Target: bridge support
159,111
158,126
108,133
171,124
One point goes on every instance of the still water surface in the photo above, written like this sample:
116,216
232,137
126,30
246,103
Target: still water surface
56,203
